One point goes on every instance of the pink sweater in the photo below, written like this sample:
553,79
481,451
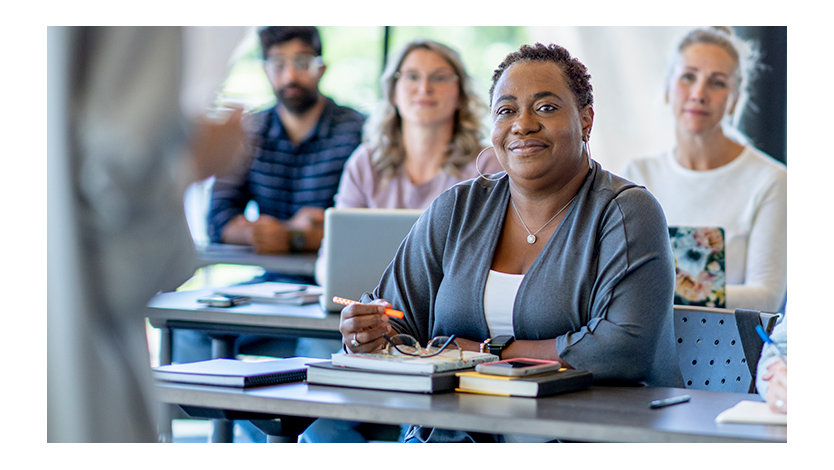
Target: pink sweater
362,185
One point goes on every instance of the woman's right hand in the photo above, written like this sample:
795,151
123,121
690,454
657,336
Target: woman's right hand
364,324
776,375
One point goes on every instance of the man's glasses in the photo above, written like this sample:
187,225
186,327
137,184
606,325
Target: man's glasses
408,346
413,78
302,63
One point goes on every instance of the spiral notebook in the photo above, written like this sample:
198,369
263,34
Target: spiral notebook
235,373
700,277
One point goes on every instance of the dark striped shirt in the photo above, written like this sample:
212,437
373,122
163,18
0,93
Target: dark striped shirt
282,177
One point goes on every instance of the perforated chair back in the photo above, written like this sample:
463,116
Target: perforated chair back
710,350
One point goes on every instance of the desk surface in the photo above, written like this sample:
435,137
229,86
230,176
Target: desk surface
606,414
181,310
296,263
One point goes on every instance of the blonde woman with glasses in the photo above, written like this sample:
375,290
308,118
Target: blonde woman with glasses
422,139
424,136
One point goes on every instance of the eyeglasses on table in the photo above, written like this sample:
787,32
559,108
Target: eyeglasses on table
407,345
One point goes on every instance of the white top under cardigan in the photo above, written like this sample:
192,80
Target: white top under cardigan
748,199
499,298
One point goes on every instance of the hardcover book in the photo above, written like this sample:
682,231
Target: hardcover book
539,385
447,360
235,373
325,373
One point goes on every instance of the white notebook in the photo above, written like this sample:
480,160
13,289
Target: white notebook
751,412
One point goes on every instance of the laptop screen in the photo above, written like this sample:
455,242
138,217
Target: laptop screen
358,245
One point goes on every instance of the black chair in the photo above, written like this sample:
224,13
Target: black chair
718,349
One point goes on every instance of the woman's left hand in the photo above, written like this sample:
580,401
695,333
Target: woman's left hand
468,344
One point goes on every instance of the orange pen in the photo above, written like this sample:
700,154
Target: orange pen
388,311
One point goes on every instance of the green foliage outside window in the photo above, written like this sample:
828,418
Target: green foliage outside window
354,59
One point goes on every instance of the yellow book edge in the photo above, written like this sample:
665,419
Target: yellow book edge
480,392
471,373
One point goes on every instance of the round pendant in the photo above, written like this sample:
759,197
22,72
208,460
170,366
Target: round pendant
531,239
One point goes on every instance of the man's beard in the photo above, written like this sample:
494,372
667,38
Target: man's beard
301,102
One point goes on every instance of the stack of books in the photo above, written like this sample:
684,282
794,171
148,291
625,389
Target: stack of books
537,385
397,373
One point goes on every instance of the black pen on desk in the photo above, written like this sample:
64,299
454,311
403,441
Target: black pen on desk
669,401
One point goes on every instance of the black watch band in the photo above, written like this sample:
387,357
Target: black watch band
498,344
298,241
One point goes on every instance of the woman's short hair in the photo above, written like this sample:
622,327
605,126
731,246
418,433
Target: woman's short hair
745,53
383,131
575,72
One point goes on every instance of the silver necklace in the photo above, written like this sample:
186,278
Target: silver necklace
531,236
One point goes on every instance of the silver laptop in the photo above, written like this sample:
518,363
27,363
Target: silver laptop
358,246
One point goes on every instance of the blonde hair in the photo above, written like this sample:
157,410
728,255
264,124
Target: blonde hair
383,131
746,54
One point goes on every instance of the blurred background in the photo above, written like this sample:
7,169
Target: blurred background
628,66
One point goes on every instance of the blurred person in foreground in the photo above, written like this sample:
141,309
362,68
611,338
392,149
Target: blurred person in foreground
570,260
711,179
424,138
122,150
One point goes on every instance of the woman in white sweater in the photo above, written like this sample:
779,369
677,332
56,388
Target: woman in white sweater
709,179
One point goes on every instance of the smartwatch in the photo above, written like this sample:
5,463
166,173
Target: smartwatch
298,241
499,343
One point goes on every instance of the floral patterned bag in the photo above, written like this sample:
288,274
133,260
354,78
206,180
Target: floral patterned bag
699,265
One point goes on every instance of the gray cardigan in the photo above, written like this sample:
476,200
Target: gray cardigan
602,286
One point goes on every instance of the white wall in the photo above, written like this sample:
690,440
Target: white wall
628,67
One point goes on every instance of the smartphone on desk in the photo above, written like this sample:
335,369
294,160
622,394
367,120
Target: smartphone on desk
223,301
518,367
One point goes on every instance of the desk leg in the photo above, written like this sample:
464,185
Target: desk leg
284,429
222,347
223,430
166,411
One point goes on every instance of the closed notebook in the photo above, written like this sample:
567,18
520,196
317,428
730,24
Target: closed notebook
539,385
325,373
235,373
448,360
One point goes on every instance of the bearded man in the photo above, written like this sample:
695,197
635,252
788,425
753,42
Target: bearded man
299,147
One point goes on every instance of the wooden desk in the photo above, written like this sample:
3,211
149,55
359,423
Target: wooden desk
599,414
296,264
